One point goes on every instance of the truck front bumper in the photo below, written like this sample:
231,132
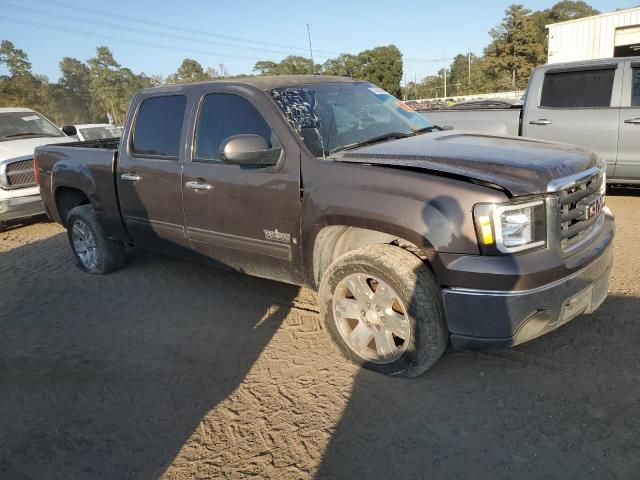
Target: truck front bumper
501,319
20,207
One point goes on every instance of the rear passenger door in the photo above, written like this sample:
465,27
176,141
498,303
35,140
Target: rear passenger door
149,172
247,218
578,106
628,166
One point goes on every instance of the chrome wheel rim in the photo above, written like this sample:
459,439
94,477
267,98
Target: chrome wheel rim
371,318
84,244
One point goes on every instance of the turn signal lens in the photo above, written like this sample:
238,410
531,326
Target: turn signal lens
485,228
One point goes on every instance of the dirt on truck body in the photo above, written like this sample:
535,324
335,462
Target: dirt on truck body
413,237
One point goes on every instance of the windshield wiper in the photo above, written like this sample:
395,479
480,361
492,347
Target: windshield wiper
28,133
426,129
379,138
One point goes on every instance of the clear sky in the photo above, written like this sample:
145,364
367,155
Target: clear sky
239,32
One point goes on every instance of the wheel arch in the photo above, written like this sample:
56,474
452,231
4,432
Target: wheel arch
66,199
332,241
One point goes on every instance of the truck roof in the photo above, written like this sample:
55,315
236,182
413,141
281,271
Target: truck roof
261,82
14,109
582,63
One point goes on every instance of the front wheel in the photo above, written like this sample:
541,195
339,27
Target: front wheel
95,253
382,309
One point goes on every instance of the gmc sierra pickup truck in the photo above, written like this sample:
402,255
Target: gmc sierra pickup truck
413,237
594,104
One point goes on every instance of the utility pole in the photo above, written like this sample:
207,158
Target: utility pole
469,68
513,71
405,86
313,64
445,75
415,86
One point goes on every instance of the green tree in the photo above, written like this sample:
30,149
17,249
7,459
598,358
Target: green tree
514,51
72,96
189,71
381,66
104,85
15,59
344,65
291,65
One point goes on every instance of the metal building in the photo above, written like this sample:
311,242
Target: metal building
615,34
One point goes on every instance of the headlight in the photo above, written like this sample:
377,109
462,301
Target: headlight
510,228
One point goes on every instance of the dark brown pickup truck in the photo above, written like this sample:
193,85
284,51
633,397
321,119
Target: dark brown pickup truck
414,237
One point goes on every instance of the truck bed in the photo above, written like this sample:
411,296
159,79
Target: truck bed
88,168
492,121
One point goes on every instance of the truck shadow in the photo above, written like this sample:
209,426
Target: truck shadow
562,406
107,377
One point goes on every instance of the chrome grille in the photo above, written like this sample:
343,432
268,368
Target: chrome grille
19,174
576,221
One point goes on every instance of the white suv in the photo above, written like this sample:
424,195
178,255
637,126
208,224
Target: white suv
21,131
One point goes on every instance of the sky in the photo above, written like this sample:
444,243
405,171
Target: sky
153,36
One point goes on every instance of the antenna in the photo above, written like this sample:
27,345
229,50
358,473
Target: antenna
310,49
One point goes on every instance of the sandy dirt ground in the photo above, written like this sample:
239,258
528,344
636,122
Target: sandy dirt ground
175,370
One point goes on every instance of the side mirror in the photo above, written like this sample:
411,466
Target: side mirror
69,130
248,150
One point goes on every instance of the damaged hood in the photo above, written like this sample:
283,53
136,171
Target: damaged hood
523,166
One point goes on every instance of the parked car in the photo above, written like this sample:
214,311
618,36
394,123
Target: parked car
594,104
414,237
92,131
21,130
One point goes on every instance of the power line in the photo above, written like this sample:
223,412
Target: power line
122,39
94,11
137,30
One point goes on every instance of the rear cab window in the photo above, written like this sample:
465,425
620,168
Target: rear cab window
578,89
223,115
158,126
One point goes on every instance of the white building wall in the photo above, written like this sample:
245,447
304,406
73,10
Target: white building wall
588,38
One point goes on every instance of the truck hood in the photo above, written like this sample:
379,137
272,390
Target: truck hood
22,147
522,166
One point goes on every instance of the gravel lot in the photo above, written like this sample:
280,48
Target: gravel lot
169,369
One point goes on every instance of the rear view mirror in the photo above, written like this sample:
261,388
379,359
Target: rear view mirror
248,150
69,130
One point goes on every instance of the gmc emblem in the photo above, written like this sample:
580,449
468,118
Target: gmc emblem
594,207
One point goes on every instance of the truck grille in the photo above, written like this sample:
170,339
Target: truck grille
580,211
19,174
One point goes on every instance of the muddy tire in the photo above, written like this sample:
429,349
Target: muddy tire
95,253
382,309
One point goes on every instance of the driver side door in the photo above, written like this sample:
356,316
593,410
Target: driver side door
246,218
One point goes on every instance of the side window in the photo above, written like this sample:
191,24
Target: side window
579,89
223,115
158,127
635,88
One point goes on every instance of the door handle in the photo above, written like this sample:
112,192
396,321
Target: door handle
195,185
633,121
540,121
130,177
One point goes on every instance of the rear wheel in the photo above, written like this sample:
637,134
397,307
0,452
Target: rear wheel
383,310
95,253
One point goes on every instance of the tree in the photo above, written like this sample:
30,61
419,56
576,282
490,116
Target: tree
104,85
570,10
72,94
515,49
16,60
189,71
344,65
291,65
381,66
